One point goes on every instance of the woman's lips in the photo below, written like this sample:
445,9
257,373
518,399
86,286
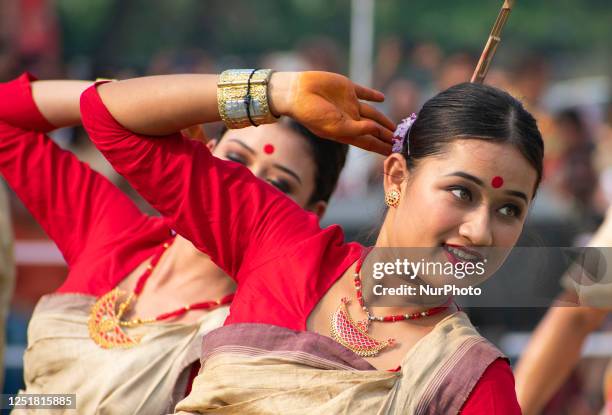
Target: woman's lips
457,253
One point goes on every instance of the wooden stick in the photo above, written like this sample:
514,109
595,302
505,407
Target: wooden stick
494,38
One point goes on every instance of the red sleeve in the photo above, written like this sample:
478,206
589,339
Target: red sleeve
494,393
76,206
17,107
218,205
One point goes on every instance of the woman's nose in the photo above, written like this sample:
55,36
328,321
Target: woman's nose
477,227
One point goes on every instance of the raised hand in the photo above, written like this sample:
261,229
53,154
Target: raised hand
329,105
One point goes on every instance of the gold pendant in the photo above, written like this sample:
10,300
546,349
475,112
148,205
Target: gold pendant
354,335
104,323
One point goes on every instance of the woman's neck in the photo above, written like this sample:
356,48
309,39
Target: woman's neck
184,266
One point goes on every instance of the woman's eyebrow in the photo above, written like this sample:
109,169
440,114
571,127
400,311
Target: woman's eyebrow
518,194
288,171
468,177
247,148
480,183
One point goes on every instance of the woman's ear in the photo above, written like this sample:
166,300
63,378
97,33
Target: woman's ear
318,208
396,172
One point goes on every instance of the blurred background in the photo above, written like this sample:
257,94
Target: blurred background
555,56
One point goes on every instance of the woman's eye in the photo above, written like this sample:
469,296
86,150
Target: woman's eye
461,193
511,211
281,185
236,157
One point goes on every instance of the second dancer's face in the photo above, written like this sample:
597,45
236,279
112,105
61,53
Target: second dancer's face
277,155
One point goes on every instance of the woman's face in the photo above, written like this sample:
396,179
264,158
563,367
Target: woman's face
474,196
276,154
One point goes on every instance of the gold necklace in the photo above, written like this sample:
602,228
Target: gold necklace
354,334
105,326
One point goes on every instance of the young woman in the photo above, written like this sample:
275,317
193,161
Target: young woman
109,244
465,177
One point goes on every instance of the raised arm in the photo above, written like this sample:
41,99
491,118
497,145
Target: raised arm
326,103
220,206
78,208
33,105
58,101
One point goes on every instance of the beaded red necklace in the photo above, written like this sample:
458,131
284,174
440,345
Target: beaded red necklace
354,334
105,324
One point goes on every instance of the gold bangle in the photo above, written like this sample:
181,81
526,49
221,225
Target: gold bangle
242,97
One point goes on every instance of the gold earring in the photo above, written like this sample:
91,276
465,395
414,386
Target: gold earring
392,198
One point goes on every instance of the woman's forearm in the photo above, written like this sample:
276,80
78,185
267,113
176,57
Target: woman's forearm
552,353
327,104
58,101
160,105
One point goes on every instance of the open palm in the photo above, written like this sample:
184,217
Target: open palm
329,105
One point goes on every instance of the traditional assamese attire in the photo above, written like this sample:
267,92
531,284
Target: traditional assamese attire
103,236
264,361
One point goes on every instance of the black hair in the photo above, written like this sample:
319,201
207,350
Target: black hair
329,158
474,111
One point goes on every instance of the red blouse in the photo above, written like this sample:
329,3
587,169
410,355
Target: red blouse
282,260
101,233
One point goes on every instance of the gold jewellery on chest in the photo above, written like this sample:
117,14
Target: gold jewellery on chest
105,324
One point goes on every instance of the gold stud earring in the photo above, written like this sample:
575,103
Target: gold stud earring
392,198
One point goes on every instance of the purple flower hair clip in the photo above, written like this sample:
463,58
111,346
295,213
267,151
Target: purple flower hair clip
401,133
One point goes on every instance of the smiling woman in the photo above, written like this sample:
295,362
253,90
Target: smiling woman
294,341
464,141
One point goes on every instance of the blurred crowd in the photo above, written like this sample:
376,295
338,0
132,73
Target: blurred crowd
577,129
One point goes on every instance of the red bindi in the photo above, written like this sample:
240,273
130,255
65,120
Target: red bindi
268,149
497,182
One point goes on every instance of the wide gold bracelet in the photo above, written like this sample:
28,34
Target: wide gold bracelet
242,97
